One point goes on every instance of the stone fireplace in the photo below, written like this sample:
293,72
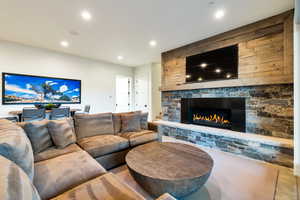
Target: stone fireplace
259,124
226,113
260,120
268,109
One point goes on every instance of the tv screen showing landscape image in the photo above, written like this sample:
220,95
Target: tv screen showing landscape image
27,89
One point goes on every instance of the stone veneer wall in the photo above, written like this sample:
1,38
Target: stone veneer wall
269,109
256,150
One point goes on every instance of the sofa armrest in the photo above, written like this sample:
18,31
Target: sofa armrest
166,196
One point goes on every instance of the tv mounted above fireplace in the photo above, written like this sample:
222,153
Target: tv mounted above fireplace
220,64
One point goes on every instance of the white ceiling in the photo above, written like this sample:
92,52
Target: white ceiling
125,27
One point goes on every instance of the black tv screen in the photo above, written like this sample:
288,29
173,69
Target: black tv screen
220,64
28,89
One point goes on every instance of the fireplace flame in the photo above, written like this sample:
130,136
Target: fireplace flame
211,118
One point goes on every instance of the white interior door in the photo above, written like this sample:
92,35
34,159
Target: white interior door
142,89
123,94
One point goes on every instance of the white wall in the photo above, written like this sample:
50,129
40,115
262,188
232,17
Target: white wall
98,78
297,99
156,93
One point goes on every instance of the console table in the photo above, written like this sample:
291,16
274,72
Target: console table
18,113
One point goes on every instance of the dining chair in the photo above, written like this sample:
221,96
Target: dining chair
33,114
87,108
59,113
12,119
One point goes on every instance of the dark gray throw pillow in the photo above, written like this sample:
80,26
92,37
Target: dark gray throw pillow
131,122
62,132
144,121
38,135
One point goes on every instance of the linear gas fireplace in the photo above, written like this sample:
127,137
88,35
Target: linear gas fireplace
226,113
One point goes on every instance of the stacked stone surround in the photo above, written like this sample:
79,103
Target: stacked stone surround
269,109
257,150
269,112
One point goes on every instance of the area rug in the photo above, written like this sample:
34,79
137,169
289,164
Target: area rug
232,178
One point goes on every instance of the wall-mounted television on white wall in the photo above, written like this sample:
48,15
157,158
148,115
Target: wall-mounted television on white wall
29,89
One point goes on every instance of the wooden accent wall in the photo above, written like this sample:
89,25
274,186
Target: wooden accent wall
265,55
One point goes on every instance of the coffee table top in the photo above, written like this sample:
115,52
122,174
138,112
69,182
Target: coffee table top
169,161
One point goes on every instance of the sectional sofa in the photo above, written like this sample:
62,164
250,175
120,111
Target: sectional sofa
57,160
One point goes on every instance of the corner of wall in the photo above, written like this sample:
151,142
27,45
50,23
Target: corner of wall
297,169
296,99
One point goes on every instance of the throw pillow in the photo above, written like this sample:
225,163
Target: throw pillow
117,120
62,132
38,135
131,122
144,121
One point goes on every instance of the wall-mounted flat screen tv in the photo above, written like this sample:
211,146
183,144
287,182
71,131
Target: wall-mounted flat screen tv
220,64
28,89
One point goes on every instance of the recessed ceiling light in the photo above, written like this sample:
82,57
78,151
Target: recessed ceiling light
228,75
188,76
219,14
203,65
120,57
218,70
86,15
200,79
152,43
64,43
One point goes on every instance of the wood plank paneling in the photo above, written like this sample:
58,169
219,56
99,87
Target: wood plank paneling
265,55
288,45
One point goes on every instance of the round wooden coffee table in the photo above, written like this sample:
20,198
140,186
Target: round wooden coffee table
176,168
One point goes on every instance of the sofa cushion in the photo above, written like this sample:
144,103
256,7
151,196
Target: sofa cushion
113,160
15,146
59,174
144,121
106,187
88,125
53,152
62,132
103,144
38,134
14,183
131,122
140,137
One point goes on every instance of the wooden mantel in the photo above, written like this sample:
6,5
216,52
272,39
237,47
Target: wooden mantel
265,55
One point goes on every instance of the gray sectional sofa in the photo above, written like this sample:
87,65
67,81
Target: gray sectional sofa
101,135
57,160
